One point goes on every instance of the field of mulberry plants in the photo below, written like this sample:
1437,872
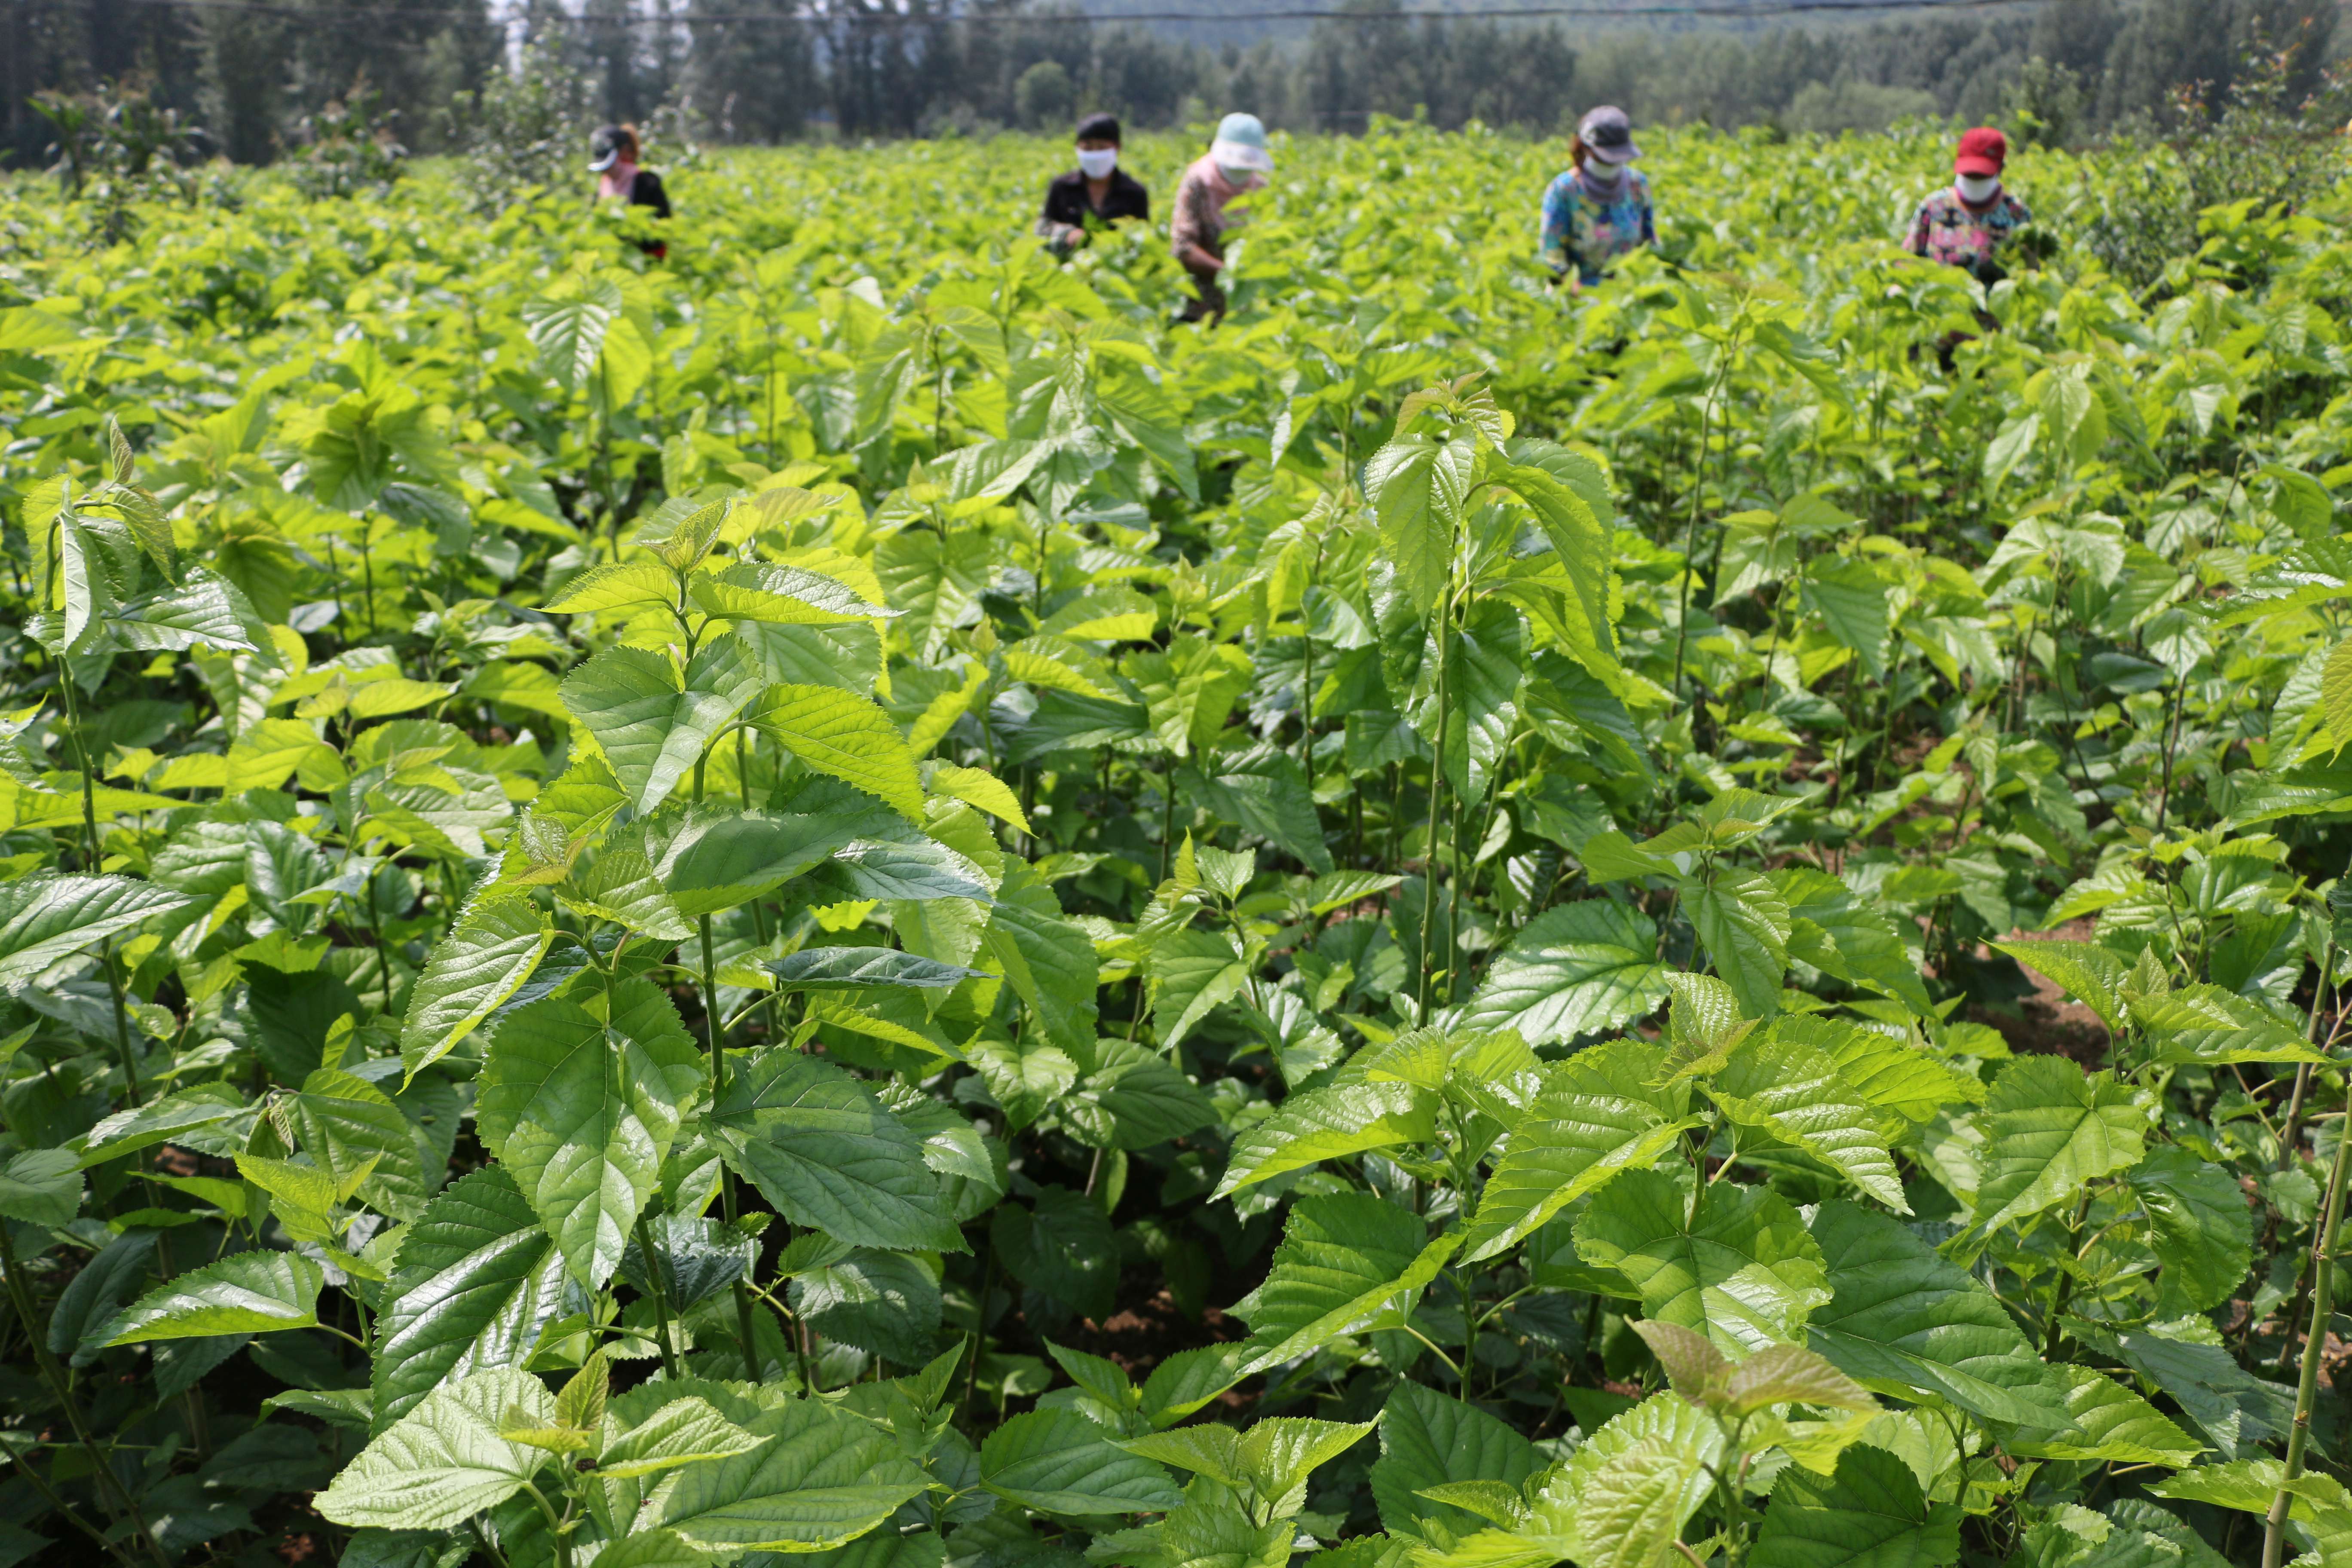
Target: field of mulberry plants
846,895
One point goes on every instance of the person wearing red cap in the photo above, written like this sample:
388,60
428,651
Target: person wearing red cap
1966,222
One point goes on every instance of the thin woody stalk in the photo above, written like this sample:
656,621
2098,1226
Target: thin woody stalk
2323,1269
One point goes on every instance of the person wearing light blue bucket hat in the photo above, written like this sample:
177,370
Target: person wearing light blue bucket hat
1238,162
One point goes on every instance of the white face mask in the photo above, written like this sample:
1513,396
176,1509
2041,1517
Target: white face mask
1237,178
1978,189
1098,165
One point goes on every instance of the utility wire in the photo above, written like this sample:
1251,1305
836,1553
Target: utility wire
1726,9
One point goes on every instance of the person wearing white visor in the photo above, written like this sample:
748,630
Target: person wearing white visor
1238,162
613,158
1600,209
1097,189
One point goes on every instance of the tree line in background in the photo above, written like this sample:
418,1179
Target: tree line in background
258,80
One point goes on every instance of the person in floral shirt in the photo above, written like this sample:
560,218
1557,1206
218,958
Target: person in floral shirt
1969,221
1600,209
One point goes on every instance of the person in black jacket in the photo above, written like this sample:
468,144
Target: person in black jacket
613,158
1097,188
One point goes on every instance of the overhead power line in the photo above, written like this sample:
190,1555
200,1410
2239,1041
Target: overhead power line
1725,9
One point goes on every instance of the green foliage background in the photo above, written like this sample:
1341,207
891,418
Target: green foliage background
639,899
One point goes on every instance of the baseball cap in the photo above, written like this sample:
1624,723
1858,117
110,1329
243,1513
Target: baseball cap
1982,152
603,148
1608,135
1241,143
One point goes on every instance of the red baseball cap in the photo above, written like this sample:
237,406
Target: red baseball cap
1982,152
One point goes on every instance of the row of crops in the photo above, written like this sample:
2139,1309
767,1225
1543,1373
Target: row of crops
846,895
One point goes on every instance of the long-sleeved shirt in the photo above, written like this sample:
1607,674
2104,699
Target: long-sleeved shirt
1947,229
1069,205
1197,222
1584,228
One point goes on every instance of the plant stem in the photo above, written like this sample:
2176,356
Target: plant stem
2323,1267
1436,799
2171,743
109,1485
90,863
660,1294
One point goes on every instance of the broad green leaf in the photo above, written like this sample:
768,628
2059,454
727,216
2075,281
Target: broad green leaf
821,1147
1328,1123
1193,972
615,586
884,1302
1569,495
476,1280
985,790
1639,1480
694,1256
1581,969
1047,959
1208,1449
1427,1439
846,735
579,1100
651,720
1781,1374
2052,1129
46,915
1743,924
1596,1114
1148,1101
2199,1223
1870,1515
864,968
166,1117
1791,1092
821,1477
444,1461
1188,1380
1277,1454
249,1293
714,858
2087,971
1884,1071
492,950
1057,1461
1847,939
2206,1024
41,1187
780,595
1851,600
1417,485
1063,1246
363,1139
1743,1270
1344,1256
2236,1411
2107,1422
1903,1319
685,1431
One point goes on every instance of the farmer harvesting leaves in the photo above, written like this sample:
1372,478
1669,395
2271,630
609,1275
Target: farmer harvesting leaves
1098,189
613,158
1600,209
1238,162
1969,221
